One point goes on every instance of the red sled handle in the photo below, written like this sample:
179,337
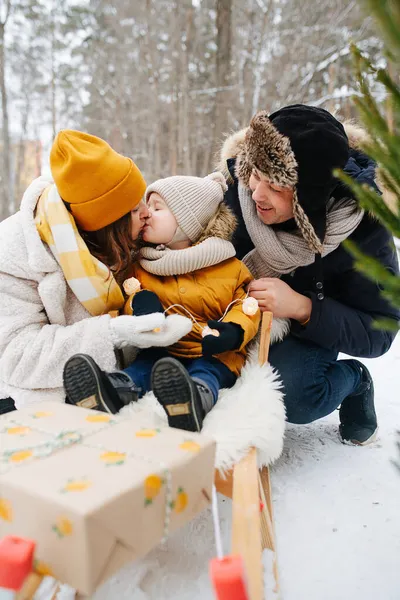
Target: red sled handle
16,561
228,578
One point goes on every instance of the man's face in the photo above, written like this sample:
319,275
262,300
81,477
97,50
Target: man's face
274,204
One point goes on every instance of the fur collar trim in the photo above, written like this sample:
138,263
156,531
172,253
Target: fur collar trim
221,226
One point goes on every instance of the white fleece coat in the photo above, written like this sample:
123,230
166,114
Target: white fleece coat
42,323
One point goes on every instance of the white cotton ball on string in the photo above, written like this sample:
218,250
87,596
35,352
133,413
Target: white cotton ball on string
250,306
131,286
208,331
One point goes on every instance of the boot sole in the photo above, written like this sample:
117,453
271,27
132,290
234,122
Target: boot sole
83,384
175,392
367,442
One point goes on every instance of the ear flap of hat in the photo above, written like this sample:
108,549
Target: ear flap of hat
310,214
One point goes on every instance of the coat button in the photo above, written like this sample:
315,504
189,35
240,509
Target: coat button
320,296
319,285
182,290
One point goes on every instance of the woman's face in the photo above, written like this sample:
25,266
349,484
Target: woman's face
138,219
274,204
161,224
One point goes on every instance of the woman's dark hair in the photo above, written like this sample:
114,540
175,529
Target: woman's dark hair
113,245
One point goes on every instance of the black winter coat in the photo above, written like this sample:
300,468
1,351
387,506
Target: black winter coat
343,320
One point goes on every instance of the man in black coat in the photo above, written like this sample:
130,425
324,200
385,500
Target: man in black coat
292,217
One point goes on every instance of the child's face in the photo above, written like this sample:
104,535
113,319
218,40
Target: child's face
161,224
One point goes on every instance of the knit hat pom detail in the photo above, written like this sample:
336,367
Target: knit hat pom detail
218,177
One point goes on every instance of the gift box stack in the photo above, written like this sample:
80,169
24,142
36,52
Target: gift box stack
95,491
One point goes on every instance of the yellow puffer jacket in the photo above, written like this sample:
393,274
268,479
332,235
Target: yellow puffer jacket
206,293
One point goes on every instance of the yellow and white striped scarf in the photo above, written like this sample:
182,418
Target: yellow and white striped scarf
90,280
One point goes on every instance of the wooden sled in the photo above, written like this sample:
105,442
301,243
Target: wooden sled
252,528
252,511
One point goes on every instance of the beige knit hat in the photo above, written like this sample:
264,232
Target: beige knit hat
192,200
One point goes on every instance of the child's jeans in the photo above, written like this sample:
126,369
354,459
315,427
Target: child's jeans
210,371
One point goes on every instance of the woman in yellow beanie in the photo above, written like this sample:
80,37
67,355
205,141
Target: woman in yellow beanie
63,257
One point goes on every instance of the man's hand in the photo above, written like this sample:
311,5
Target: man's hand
277,296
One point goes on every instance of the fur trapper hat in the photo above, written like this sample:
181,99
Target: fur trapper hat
298,147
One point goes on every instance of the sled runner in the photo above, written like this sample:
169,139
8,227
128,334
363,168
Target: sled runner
252,518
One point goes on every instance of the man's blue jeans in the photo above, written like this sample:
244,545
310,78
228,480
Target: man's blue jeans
210,371
315,382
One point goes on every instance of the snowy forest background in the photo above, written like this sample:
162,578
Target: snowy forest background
163,80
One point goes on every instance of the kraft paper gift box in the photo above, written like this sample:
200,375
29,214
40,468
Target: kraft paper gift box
96,492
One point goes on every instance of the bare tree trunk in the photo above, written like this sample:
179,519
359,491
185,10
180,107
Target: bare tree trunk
179,86
174,125
38,152
347,109
172,134
224,68
247,77
258,66
153,74
116,139
21,152
331,87
185,120
53,85
6,186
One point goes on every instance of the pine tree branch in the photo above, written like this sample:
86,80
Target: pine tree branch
371,200
388,17
383,145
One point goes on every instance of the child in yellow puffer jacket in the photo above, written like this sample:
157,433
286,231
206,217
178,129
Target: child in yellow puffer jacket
191,267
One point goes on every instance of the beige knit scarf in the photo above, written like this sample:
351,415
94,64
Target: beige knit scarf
278,252
163,261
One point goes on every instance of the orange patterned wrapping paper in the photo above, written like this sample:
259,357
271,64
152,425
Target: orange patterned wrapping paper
94,491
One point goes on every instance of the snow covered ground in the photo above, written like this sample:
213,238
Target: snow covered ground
337,511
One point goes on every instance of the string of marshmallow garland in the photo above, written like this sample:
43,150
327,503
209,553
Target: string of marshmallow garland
249,306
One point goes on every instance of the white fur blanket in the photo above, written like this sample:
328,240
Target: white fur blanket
250,414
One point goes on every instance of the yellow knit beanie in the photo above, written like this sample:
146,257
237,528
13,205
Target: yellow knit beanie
100,185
